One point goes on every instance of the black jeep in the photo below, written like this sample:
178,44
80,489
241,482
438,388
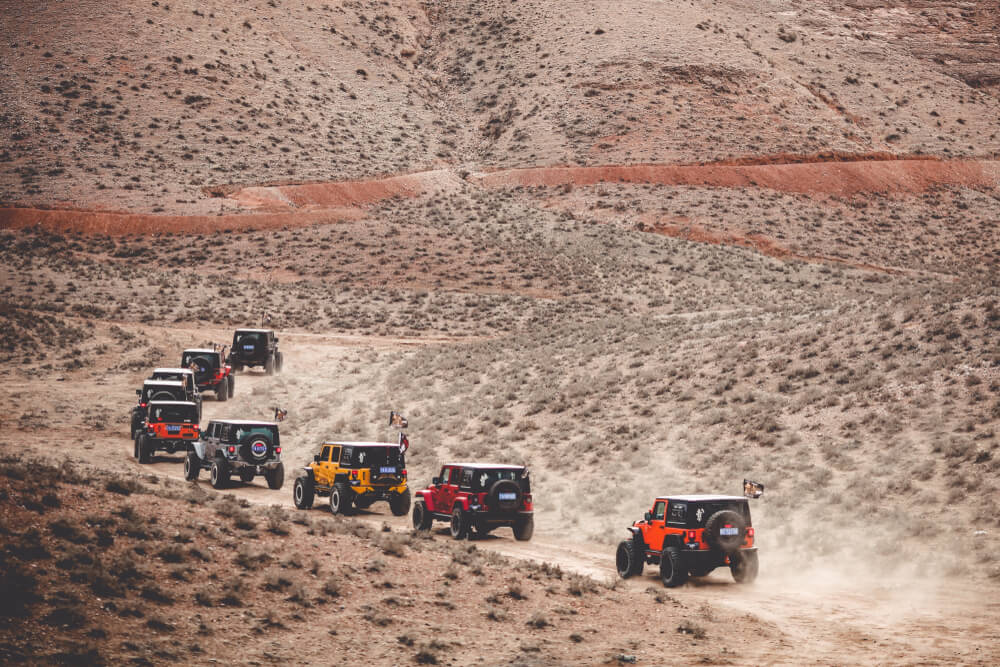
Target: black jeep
248,448
161,390
256,347
183,375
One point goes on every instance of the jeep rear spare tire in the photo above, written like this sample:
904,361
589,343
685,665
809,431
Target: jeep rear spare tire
505,495
725,530
255,448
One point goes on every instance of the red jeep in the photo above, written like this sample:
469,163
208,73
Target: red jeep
476,498
211,372
691,535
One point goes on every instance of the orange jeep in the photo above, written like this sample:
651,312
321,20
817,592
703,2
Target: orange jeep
691,535
170,426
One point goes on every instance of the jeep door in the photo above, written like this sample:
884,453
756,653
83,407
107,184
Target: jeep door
656,526
327,469
447,489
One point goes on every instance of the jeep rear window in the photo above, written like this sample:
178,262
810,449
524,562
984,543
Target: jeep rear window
367,457
254,339
700,512
187,414
482,480
240,431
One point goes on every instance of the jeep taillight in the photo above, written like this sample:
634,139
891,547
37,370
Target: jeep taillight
403,472
142,405
692,536
232,449
277,450
527,497
354,474
750,534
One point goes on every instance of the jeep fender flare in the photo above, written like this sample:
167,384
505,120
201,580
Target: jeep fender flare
199,448
634,530
426,497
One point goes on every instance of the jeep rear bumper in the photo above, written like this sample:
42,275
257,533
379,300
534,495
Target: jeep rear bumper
378,492
170,446
259,468
695,559
487,518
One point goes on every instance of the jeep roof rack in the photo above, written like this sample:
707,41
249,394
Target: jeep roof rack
700,498
152,403
169,383
244,422
253,330
172,370
200,350
353,443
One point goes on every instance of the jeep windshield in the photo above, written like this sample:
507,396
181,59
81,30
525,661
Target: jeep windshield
698,513
240,431
174,414
354,456
482,480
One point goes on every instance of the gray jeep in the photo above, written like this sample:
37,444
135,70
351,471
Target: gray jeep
246,448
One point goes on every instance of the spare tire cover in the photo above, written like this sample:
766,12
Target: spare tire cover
725,530
255,447
505,495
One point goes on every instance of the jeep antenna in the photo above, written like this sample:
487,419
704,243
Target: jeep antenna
400,422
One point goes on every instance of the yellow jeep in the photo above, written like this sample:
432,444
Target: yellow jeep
355,474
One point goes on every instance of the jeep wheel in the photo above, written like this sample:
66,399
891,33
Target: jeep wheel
629,559
136,423
232,386
279,361
422,519
219,473
744,566
192,466
222,390
145,455
672,571
340,499
399,503
725,530
303,492
459,524
275,476
135,447
269,366
524,529
246,475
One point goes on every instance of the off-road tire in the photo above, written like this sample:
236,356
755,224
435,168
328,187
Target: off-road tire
136,423
744,566
231,381
247,475
399,503
222,390
501,486
269,366
303,492
145,456
459,524
422,519
135,447
279,361
340,499
192,466
275,476
725,543
219,473
524,529
629,559
672,571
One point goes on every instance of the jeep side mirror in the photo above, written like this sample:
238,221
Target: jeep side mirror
647,516
138,392
435,481
275,339
316,458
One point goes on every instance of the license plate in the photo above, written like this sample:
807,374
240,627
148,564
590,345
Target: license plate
507,496
173,429
387,470
729,531
248,347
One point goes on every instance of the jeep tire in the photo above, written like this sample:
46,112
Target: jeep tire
399,503
269,366
219,473
340,498
275,476
672,570
422,519
303,492
222,390
524,529
143,447
279,361
192,466
725,543
231,381
744,566
629,559
459,524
